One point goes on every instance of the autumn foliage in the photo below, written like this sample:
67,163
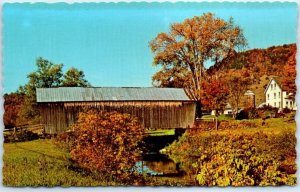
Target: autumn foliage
289,74
184,50
106,142
240,155
12,106
214,94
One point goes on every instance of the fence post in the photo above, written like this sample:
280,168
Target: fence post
216,123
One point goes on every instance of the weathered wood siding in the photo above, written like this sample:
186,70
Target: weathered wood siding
58,117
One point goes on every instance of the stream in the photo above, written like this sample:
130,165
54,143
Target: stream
153,162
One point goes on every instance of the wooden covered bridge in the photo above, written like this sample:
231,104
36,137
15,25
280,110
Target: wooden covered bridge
155,108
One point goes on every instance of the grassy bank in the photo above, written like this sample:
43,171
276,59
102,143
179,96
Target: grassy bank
42,163
263,153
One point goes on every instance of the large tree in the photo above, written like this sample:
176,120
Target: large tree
47,75
193,42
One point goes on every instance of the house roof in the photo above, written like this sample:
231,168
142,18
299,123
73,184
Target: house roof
277,80
71,94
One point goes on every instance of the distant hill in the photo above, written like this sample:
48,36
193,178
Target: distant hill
262,64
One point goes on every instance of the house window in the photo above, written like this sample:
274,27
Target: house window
274,95
271,86
278,94
275,86
286,104
268,97
274,104
291,104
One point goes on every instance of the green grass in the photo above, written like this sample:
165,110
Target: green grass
42,163
161,132
270,126
220,117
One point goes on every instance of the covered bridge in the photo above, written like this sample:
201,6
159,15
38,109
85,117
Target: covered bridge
155,108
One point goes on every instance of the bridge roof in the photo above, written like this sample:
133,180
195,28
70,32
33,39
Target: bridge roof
81,94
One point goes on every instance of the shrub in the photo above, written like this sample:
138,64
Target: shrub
253,113
238,162
237,159
267,111
286,110
106,142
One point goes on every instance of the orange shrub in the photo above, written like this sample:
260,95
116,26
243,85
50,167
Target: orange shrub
106,142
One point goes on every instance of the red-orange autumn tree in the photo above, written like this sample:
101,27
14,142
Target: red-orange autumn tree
13,103
189,45
214,96
107,142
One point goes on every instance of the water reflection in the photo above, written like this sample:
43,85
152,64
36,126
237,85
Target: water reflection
157,164
153,162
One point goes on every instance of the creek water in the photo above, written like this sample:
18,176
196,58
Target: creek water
157,164
153,162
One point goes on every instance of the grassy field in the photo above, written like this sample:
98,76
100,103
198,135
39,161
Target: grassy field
42,163
220,117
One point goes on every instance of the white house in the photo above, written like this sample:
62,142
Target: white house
276,96
228,109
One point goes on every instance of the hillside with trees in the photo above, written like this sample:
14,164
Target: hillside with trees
261,65
230,77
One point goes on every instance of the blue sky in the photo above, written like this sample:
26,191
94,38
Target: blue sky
109,41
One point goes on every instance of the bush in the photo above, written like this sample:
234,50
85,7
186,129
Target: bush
249,113
265,112
106,142
286,110
237,159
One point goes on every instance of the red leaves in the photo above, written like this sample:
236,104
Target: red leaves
289,76
12,106
214,94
